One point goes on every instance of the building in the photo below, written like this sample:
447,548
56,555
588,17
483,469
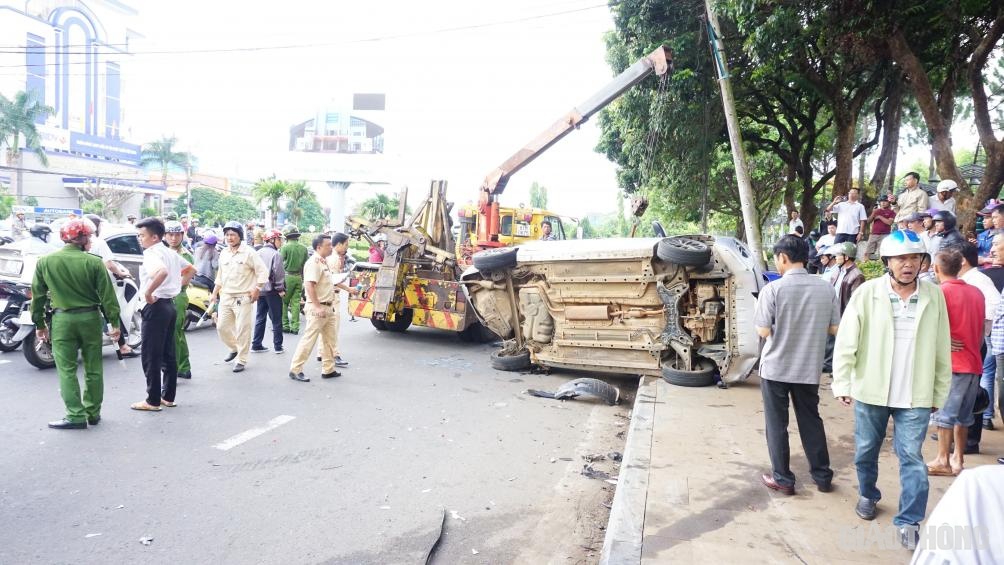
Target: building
74,56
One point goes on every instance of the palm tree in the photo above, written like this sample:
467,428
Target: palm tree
18,117
380,206
271,190
297,192
162,153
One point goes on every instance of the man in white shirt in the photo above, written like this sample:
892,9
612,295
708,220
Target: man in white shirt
851,217
795,222
160,281
829,239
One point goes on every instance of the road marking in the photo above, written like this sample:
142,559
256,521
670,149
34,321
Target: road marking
242,437
4,361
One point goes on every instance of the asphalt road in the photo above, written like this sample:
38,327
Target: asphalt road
359,469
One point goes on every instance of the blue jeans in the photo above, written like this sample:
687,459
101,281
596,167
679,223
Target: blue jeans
910,426
987,381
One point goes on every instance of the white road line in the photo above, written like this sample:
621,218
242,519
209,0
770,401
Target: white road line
242,437
4,361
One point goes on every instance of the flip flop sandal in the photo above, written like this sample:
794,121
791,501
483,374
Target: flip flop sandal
945,471
144,407
168,403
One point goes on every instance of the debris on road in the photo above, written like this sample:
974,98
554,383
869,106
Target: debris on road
146,540
92,535
456,516
439,538
474,551
588,471
593,458
615,456
579,387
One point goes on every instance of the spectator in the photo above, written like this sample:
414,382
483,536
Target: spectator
913,199
966,319
945,232
377,249
946,196
826,219
795,313
207,261
830,238
545,231
270,300
830,269
794,222
851,217
893,357
984,241
881,220
848,277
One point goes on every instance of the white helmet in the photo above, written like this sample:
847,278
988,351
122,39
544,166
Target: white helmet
846,248
902,242
947,185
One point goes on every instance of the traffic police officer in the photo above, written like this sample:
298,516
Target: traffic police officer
174,236
238,285
75,284
294,256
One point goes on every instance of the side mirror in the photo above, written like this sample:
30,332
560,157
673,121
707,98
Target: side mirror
658,229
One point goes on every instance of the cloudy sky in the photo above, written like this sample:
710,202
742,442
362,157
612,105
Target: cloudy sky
468,83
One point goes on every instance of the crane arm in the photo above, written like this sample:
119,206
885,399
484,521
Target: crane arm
659,62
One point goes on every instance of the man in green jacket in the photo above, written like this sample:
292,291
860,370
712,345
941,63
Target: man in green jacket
174,235
76,286
294,256
893,358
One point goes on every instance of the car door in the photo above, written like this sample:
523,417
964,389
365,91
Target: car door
127,250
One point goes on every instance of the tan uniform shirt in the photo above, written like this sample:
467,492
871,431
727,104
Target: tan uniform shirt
319,271
242,271
910,201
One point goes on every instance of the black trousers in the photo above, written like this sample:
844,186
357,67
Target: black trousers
157,352
805,397
842,237
269,304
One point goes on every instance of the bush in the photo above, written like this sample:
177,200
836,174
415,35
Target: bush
872,269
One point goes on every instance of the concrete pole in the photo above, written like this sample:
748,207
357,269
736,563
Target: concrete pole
337,217
751,219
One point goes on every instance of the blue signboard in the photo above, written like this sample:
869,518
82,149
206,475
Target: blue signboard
104,147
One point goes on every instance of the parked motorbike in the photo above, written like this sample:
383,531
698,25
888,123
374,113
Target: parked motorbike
199,291
14,299
39,353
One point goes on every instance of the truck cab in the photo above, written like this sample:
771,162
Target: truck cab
516,226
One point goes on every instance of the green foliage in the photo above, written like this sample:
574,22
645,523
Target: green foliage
312,214
162,154
297,193
7,202
18,118
30,201
147,212
538,196
94,207
269,190
378,207
871,269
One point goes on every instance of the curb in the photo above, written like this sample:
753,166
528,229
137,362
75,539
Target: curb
626,526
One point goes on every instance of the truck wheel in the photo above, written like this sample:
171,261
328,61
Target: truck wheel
684,251
494,259
402,321
379,324
42,357
516,362
702,375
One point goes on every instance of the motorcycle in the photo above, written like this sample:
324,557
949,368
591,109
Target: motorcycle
13,300
39,353
199,291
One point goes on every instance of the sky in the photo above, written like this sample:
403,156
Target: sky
464,89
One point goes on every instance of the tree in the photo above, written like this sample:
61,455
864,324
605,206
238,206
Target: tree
313,214
30,201
18,118
7,203
269,190
297,192
93,207
228,208
378,207
106,198
162,154
538,196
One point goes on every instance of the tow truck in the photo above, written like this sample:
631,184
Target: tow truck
417,282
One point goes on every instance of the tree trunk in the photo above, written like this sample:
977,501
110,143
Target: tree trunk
808,206
844,153
886,165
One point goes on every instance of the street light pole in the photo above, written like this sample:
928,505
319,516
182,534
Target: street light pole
188,189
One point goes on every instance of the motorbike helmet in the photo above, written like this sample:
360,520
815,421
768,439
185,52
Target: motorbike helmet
171,217
901,242
210,239
292,231
173,226
272,234
234,226
74,229
95,219
946,217
846,248
41,231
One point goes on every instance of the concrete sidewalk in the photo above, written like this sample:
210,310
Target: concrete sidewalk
689,489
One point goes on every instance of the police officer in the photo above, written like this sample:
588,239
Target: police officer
322,312
294,256
76,286
174,236
238,285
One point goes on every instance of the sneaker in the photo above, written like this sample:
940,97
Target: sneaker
865,508
988,424
259,349
186,375
339,362
230,357
299,377
332,374
279,350
238,367
909,536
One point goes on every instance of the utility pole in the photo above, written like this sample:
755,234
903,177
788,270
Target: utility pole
188,188
751,219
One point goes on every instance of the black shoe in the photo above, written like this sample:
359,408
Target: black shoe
974,450
339,362
238,367
330,375
825,487
909,536
1000,460
230,357
94,421
258,349
186,375
278,350
988,424
65,424
865,508
127,355
299,377
318,357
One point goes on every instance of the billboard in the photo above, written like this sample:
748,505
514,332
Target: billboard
104,147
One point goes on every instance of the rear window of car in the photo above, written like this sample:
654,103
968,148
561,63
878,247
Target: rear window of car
125,243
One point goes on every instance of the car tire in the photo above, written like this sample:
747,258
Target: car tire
703,375
40,358
517,362
684,251
7,342
401,322
495,259
380,325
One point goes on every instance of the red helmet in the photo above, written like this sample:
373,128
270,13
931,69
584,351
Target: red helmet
272,234
73,229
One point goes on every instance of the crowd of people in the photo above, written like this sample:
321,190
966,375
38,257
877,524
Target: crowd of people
922,345
254,276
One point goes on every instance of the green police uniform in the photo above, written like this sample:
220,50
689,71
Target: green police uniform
77,285
294,256
181,306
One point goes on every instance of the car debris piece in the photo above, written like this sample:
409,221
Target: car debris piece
615,456
579,387
588,471
439,538
593,458
146,540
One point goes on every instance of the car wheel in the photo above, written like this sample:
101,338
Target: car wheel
379,324
401,321
514,362
702,375
684,251
42,357
493,259
7,342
